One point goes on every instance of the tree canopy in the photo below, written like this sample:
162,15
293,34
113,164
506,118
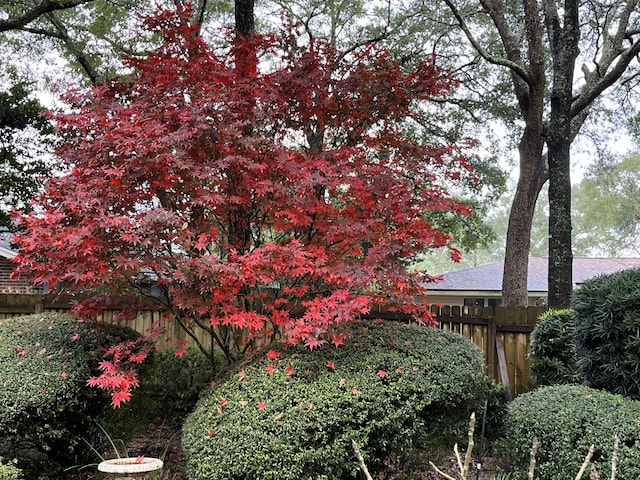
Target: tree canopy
607,209
282,200
25,136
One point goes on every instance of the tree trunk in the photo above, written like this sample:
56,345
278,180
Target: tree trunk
530,91
530,182
564,50
244,16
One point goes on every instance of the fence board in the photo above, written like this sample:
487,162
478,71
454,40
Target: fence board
511,326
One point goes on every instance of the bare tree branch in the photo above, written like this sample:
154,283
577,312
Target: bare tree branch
74,50
514,66
44,7
598,84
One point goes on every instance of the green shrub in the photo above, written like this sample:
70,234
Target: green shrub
497,402
553,350
567,420
9,471
45,403
607,332
174,383
391,388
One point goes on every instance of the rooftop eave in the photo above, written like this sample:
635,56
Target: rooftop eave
7,252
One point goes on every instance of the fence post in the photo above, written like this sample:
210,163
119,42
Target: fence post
491,347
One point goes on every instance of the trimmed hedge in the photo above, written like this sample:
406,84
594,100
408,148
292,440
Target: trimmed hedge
567,420
45,403
292,413
607,326
553,349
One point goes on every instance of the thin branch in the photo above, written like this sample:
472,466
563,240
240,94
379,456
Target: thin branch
73,48
44,7
513,66
363,465
587,461
42,31
593,89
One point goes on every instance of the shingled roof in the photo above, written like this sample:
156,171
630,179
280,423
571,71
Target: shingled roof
489,277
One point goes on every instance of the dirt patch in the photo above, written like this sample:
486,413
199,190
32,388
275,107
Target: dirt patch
163,441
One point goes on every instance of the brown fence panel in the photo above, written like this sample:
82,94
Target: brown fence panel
506,328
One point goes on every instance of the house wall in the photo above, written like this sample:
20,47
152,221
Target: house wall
11,285
459,298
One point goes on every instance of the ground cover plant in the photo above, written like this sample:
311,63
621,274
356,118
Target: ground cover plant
292,414
46,405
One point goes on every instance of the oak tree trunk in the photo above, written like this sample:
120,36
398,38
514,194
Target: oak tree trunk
564,50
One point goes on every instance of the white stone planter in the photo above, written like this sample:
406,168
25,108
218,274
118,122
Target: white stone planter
130,467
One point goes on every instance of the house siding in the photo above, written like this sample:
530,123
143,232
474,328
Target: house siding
13,285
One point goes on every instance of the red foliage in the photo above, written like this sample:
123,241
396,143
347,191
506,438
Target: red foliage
283,199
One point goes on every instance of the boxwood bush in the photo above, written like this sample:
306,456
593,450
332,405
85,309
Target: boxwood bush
567,420
607,332
45,403
292,413
553,349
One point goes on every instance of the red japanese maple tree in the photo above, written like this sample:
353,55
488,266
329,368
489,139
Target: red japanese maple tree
286,200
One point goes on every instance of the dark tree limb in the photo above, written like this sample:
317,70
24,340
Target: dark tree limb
43,8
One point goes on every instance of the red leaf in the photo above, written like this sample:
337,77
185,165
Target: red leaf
119,397
272,354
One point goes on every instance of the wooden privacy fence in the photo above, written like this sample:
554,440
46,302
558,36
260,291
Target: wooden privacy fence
503,335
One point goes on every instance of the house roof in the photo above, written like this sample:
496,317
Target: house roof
5,250
489,277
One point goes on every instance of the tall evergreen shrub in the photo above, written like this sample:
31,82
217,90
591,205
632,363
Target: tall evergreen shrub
607,332
553,349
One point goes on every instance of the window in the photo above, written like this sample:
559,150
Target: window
474,302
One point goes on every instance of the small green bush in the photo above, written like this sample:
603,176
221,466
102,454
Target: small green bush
45,403
553,349
174,383
9,471
607,332
567,420
293,413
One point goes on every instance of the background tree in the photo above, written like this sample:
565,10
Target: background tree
607,209
287,202
25,137
104,29
538,42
